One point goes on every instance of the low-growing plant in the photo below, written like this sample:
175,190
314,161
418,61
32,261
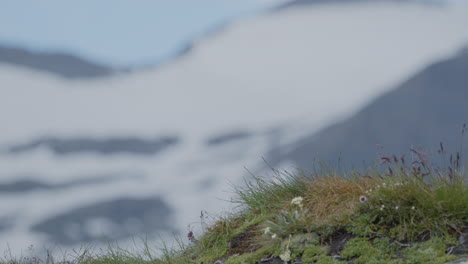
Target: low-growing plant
414,202
404,212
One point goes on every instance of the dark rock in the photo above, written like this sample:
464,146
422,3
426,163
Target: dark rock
459,261
243,242
338,241
100,146
227,138
108,221
27,185
462,248
23,186
60,64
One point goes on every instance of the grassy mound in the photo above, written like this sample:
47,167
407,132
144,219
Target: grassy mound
400,214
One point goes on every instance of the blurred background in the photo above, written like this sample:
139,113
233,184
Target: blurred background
126,119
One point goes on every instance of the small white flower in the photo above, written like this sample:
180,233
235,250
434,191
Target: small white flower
363,199
267,231
397,207
382,207
297,201
274,236
413,208
286,256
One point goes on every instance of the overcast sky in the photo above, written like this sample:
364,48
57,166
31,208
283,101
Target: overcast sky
117,32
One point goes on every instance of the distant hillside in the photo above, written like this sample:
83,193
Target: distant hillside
309,2
64,65
294,3
297,3
429,108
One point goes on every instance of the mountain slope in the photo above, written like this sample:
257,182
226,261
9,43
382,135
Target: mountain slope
64,65
428,108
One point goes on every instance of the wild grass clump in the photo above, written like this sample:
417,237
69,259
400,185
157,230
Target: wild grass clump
400,212
262,196
414,202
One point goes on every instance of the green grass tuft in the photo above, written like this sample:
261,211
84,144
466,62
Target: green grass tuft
398,214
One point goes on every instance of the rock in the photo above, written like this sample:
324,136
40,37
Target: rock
459,261
462,249
227,138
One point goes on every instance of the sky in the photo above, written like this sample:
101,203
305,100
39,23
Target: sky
115,32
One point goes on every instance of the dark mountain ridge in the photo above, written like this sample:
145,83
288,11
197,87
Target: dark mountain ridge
61,64
429,108
299,3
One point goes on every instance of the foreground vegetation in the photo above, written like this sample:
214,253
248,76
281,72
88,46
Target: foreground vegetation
402,212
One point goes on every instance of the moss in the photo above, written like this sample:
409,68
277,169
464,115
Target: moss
382,250
431,251
314,253
329,260
358,247
298,243
362,250
385,247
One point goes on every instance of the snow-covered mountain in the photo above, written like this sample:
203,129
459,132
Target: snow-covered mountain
87,160
421,113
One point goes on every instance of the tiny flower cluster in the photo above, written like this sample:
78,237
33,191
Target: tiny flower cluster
268,232
297,201
384,185
363,199
286,256
295,215
397,207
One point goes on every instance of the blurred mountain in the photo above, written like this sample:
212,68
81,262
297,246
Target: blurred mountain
64,65
310,2
107,146
191,126
298,3
428,108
